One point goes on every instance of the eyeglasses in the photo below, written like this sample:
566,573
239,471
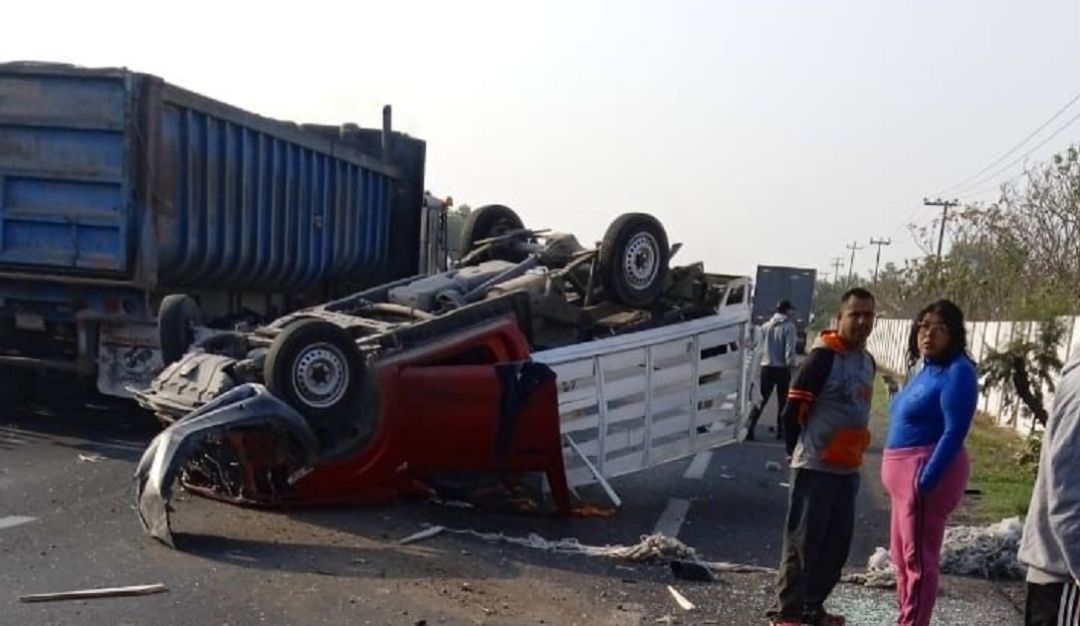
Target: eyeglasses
926,328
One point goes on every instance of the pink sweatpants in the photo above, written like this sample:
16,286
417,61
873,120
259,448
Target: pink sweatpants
918,526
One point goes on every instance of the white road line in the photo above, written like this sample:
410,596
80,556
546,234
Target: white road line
671,520
696,469
14,520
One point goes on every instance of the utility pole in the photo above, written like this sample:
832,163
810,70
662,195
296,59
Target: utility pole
837,263
945,206
851,268
877,261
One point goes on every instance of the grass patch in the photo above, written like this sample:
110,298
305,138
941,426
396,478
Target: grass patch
879,404
996,471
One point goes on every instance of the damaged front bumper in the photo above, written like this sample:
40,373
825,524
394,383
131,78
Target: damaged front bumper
242,410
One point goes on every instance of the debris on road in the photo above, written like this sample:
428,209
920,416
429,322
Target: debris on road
984,551
453,504
785,485
105,592
737,568
691,570
879,572
772,466
423,534
650,547
680,599
91,458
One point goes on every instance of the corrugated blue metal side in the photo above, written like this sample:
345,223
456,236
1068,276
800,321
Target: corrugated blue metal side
775,283
254,211
64,176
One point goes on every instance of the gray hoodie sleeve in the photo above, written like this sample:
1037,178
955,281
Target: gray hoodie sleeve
1064,489
790,339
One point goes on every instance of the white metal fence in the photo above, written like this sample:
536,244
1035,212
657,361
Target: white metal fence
634,401
888,343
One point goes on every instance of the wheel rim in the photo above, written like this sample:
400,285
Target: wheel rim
320,375
641,260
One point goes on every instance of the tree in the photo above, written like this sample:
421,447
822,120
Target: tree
1025,368
1016,258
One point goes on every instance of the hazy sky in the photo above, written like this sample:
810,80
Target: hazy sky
759,131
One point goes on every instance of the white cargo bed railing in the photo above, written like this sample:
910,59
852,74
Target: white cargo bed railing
634,401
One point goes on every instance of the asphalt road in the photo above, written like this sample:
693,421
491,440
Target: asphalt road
67,522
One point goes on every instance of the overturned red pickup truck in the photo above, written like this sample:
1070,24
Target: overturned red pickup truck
535,354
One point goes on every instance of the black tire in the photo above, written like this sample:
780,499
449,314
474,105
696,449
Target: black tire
15,385
316,368
177,317
634,260
490,221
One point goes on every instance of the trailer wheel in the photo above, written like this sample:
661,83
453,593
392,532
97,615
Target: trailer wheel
178,316
634,259
491,221
315,367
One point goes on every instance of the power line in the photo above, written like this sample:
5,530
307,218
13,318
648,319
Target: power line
837,262
1000,171
877,261
945,206
907,221
853,247
972,195
1011,150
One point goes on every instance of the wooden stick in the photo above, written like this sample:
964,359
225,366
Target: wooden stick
680,599
423,534
105,592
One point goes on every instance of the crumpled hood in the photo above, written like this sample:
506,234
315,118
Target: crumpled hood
249,405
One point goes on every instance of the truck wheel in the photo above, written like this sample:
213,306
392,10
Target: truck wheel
634,259
315,367
178,316
491,221
15,385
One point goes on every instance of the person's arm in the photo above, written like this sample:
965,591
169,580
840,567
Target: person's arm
959,397
791,336
808,384
1063,476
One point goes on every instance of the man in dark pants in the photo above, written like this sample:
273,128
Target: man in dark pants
826,432
1050,546
779,336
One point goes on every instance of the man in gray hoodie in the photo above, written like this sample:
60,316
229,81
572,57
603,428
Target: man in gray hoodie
778,340
826,428
1050,546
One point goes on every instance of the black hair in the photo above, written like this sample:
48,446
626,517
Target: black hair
954,322
784,306
857,292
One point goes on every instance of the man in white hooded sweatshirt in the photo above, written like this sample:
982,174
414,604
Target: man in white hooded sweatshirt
1051,543
778,341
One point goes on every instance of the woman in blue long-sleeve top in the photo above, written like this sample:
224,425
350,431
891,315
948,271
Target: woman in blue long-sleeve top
925,467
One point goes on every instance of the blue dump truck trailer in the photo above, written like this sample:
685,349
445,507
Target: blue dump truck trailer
774,283
118,189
